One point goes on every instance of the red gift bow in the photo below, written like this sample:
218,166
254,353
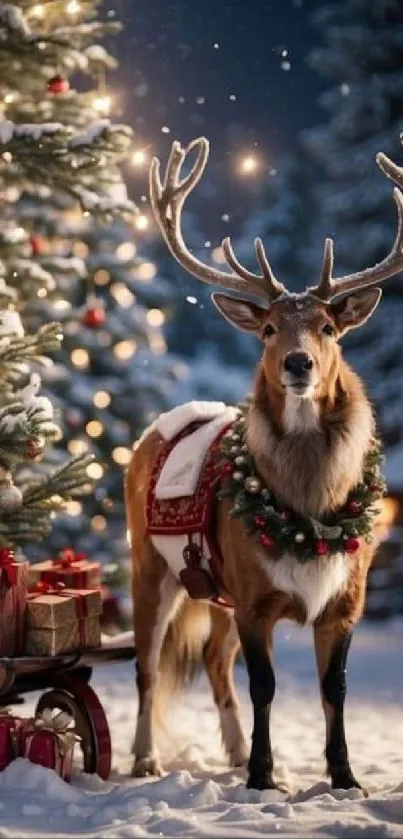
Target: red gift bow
61,590
67,558
7,564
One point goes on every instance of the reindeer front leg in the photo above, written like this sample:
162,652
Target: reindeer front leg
332,646
256,646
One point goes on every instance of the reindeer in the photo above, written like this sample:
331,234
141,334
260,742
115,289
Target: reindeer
309,429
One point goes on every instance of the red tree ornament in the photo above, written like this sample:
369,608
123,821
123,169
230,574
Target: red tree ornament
266,541
94,317
321,547
36,243
34,448
352,544
58,84
226,468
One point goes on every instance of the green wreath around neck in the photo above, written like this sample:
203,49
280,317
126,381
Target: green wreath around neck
280,529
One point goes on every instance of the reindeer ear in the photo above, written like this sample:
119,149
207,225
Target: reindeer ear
240,313
355,309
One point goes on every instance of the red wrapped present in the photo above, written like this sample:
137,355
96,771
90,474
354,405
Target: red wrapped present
73,569
10,731
13,601
49,740
60,620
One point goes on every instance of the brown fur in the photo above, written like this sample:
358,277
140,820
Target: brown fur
311,470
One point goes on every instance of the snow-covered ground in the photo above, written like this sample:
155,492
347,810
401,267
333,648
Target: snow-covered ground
199,796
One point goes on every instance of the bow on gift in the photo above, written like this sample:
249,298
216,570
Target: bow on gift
7,564
67,558
42,587
60,724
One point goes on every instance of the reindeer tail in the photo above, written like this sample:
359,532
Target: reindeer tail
182,650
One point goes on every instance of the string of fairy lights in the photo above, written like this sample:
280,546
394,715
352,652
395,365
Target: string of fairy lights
102,102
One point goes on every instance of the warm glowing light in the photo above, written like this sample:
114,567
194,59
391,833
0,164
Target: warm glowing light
77,447
155,317
122,294
146,271
80,358
122,455
125,349
217,255
101,399
139,157
73,7
101,277
389,508
95,470
98,523
102,103
126,251
42,292
249,165
61,305
73,508
38,10
9,97
94,428
80,249
157,344
141,222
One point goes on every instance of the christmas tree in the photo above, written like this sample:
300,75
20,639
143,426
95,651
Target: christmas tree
30,493
361,55
68,249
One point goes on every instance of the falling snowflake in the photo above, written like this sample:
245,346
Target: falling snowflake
344,89
181,100
285,65
225,217
192,300
207,244
284,53
216,46
200,100
165,129
233,97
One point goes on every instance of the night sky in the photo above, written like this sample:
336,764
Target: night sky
236,71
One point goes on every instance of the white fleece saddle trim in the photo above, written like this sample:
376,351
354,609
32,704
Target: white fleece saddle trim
181,471
173,422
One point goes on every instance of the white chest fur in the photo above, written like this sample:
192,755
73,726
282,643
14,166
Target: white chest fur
315,582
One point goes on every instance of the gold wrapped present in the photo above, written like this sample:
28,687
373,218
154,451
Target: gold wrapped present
60,620
72,569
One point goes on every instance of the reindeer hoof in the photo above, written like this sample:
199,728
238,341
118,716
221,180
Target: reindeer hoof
344,779
260,782
145,767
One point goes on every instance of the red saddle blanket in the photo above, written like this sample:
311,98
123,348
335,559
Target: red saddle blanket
191,515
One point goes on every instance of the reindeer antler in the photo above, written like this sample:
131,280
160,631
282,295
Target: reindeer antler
330,287
167,200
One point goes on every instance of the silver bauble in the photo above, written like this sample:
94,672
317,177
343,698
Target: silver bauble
234,449
253,485
299,537
240,460
10,498
237,476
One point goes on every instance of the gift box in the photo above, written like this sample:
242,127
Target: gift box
60,620
75,570
10,732
49,740
13,599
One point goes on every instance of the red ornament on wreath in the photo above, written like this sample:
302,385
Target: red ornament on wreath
321,547
58,84
354,507
352,544
266,541
94,317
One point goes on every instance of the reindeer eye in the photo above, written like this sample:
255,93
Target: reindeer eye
328,329
269,330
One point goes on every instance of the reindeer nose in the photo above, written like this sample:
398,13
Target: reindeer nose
298,363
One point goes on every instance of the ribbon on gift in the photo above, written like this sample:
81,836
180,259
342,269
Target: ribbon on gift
7,565
60,724
42,587
67,560
68,557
